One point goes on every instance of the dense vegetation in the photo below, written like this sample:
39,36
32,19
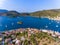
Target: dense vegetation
47,13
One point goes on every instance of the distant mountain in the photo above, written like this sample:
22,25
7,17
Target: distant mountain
46,13
58,10
12,13
43,13
2,11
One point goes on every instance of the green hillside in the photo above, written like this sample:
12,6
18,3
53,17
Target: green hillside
46,13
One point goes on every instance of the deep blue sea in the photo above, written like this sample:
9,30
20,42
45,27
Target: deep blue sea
8,23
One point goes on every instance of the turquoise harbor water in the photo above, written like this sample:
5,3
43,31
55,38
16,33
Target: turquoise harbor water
8,23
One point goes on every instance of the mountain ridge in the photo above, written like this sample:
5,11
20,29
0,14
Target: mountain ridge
46,13
43,13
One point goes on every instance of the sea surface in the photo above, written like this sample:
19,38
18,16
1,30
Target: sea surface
9,23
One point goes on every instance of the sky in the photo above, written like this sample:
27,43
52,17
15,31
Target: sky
29,5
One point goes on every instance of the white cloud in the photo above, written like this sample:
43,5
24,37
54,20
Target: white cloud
2,2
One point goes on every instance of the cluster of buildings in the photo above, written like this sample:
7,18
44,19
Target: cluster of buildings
21,30
52,33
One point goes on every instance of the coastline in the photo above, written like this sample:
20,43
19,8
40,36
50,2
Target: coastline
55,18
56,33
52,18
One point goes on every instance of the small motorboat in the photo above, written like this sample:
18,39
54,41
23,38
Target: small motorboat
20,22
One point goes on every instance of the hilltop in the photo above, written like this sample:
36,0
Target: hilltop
3,10
44,13
11,13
